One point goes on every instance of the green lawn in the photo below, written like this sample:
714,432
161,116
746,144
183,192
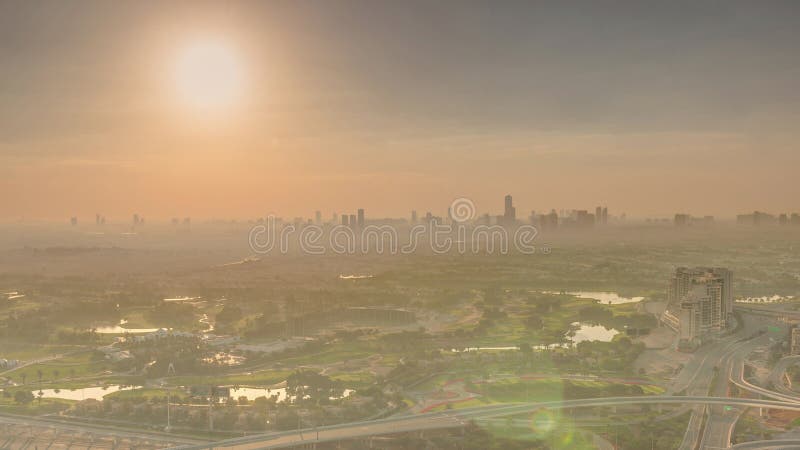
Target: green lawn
71,366
260,378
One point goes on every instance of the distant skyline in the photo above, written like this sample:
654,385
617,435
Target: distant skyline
649,108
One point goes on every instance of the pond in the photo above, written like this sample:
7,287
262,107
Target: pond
280,393
181,299
582,332
355,277
607,298
118,329
766,299
586,332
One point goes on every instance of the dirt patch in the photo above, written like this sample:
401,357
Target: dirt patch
659,338
664,362
781,419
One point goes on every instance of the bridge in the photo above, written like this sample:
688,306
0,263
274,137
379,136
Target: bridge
459,418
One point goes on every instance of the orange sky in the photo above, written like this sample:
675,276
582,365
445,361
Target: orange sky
400,106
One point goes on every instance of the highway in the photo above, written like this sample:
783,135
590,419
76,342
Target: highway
64,426
777,444
778,372
721,421
457,418
697,376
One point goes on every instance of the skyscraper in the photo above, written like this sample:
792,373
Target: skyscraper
549,221
318,218
413,216
584,219
681,220
352,220
360,218
703,297
509,213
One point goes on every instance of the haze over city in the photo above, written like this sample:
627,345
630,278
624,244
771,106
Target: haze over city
393,106
399,225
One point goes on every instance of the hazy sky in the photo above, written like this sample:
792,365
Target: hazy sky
647,107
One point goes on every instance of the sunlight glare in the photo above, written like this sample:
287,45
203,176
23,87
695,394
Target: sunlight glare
208,75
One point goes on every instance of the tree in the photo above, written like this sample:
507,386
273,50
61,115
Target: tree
23,376
311,386
23,397
229,314
56,373
39,374
534,322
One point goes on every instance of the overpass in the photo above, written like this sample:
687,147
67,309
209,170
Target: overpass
777,444
459,418
766,311
100,430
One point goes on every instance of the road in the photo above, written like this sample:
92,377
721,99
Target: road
457,418
41,361
721,421
107,431
776,377
778,444
697,376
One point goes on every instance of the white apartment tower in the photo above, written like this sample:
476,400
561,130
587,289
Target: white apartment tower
704,300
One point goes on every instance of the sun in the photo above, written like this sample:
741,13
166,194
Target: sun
208,75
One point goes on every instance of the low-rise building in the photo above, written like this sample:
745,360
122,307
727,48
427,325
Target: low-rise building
796,340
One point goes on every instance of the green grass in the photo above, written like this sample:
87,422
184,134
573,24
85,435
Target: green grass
260,378
563,435
355,379
480,401
35,408
71,366
332,354
512,390
27,352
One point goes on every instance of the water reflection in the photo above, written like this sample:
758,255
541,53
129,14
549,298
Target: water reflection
766,299
181,299
355,277
581,332
118,329
586,332
608,298
279,394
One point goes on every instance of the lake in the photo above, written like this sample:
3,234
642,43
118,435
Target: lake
583,332
280,393
608,298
